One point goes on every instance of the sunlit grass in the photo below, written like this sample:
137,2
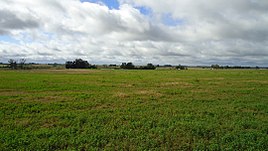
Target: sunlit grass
134,110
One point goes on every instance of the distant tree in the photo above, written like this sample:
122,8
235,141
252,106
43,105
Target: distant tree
149,66
77,63
55,64
22,63
227,67
92,66
180,67
69,64
104,66
128,65
12,64
167,65
215,66
123,65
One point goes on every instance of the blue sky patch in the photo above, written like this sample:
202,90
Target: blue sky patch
167,19
112,4
144,10
9,39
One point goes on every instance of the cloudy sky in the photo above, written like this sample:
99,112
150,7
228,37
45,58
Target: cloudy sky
190,32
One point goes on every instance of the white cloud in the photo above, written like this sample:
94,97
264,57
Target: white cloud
209,31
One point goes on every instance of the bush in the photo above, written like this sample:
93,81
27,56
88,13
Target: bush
78,64
149,66
180,67
128,65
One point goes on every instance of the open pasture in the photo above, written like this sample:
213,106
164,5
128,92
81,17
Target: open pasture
134,110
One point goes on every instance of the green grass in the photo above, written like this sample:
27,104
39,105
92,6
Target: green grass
134,110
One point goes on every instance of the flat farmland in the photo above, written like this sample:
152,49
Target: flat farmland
134,110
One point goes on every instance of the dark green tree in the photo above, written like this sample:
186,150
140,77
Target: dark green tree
180,67
215,66
149,66
128,65
77,63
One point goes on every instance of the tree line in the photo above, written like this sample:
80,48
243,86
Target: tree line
216,66
83,64
130,65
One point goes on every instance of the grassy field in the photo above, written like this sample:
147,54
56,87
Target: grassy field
134,110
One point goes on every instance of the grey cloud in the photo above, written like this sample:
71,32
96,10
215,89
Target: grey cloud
57,49
9,21
258,34
44,53
169,53
15,55
156,33
3,32
213,31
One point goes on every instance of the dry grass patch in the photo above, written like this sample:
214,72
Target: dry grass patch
148,93
127,85
121,95
213,79
255,81
23,122
183,84
48,99
12,93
